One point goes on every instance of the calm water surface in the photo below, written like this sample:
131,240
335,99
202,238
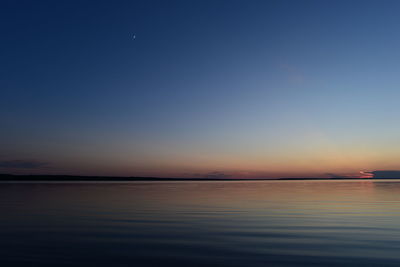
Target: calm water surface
272,223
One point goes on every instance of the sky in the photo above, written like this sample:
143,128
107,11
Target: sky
240,89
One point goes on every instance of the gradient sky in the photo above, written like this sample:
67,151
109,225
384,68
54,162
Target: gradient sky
206,88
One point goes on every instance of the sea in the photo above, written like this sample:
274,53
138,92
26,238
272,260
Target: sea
200,223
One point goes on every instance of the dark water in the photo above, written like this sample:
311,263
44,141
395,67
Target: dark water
274,223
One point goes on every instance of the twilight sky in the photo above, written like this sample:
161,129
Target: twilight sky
206,88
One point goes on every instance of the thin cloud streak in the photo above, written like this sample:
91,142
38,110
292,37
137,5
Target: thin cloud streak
21,164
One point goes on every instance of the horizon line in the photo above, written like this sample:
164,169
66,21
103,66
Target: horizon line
152,178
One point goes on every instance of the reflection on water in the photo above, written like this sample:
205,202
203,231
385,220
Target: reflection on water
255,223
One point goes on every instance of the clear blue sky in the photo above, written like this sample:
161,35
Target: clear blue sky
229,88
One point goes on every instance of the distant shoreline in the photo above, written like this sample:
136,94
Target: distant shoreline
72,178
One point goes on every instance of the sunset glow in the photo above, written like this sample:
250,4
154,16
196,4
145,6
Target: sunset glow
263,90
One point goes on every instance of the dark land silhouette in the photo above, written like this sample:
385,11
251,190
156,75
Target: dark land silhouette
389,174
12,177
